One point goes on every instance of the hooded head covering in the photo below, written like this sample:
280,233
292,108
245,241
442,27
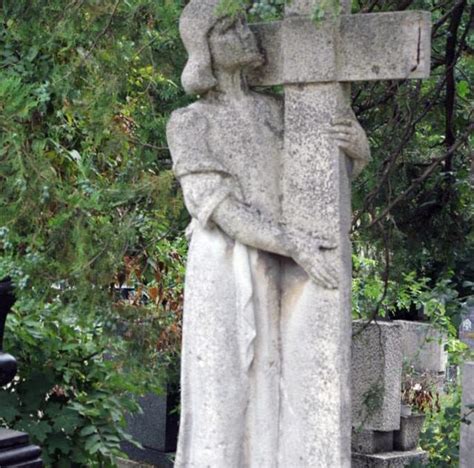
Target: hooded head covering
197,19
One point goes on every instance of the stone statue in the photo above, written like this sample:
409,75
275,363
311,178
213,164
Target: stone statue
227,154
267,326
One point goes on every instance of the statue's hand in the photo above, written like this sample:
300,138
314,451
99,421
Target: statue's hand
308,252
351,138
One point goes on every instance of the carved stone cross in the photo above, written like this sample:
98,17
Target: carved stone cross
315,62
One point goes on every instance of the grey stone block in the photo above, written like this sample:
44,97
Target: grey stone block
370,442
376,376
389,459
423,346
408,435
467,430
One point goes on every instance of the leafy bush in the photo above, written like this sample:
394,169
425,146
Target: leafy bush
88,209
441,433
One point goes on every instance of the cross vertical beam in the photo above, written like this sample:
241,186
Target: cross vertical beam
316,322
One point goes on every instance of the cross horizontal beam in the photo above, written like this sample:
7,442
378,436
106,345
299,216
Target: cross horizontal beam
373,46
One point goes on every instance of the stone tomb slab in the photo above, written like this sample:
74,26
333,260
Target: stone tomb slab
155,429
466,330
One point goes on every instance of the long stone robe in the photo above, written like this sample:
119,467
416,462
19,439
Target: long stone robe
230,353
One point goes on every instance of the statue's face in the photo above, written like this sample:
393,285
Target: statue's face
233,45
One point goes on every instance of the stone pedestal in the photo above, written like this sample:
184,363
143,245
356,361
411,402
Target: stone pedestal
370,442
389,459
407,437
467,430
17,452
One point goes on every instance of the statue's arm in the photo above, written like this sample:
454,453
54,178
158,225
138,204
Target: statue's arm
252,228
210,198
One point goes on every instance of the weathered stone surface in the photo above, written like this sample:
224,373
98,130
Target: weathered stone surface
383,45
370,442
304,63
351,48
376,376
389,460
423,346
266,332
406,438
467,430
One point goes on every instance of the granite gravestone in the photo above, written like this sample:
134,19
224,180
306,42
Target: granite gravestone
267,328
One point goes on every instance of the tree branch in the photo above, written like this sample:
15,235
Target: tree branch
423,176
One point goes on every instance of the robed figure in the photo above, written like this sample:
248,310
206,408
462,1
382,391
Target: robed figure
247,273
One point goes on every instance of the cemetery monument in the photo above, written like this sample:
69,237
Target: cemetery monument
267,322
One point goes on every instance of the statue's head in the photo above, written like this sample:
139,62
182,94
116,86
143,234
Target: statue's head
213,40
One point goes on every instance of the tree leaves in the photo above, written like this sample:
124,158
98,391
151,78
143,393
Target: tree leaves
85,92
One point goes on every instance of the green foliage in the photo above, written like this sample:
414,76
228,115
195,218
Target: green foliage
421,223
267,10
68,396
86,88
441,432
231,8
326,9
440,303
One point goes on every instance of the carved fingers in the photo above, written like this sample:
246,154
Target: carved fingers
308,252
323,273
318,268
350,137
